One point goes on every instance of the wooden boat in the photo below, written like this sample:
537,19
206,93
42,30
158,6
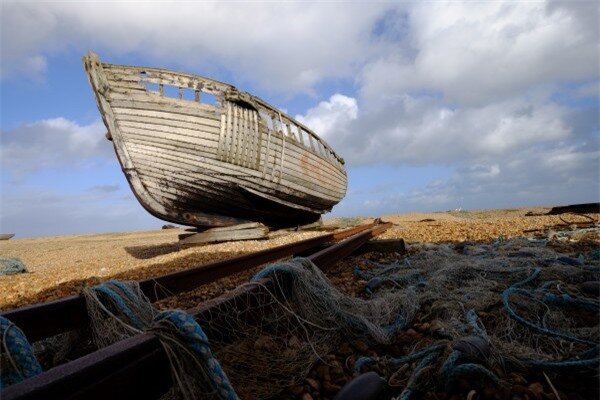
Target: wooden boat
6,236
202,153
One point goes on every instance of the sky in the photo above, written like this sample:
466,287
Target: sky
434,105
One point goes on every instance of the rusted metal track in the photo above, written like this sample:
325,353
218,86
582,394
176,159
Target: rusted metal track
42,320
137,367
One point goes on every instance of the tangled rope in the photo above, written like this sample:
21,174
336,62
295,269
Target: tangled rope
118,309
18,355
477,278
317,300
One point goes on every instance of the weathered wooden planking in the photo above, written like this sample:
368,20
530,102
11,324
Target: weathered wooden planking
172,172
209,112
171,169
161,156
136,75
185,157
298,159
277,140
172,147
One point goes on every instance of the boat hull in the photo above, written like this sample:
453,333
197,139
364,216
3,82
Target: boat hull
204,164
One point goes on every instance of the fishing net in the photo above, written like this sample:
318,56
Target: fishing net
490,309
274,343
263,343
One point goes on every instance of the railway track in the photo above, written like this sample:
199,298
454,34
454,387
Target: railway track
42,320
116,371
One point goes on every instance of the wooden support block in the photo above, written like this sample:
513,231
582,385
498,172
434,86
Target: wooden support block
249,231
384,246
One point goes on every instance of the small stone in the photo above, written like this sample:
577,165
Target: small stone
569,261
517,379
365,386
330,388
296,390
374,283
361,346
413,335
323,372
344,349
264,343
314,384
337,372
537,389
307,396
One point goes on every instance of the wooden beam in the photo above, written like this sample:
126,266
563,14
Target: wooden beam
249,231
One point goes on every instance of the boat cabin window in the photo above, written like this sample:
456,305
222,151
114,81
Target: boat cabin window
295,134
209,98
267,118
176,92
151,87
171,91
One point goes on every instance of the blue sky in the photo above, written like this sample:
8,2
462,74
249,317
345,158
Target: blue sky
434,106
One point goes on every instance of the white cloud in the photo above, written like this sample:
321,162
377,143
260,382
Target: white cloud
286,47
330,116
29,211
479,52
422,130
563,175
591,89
52,143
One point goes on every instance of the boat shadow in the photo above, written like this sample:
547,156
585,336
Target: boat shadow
150,251
75,286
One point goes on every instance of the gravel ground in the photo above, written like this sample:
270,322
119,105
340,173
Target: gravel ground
62,265
59,266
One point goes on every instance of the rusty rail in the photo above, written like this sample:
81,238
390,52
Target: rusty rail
137,367
42,320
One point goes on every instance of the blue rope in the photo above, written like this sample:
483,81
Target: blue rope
586,360
472,319
567,300
18,349
562,364
413,381
449,365
470,370
396,362
362,362
186,326
118,302
196,339
536,328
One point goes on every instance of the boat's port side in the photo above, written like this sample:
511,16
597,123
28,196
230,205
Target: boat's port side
194,146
